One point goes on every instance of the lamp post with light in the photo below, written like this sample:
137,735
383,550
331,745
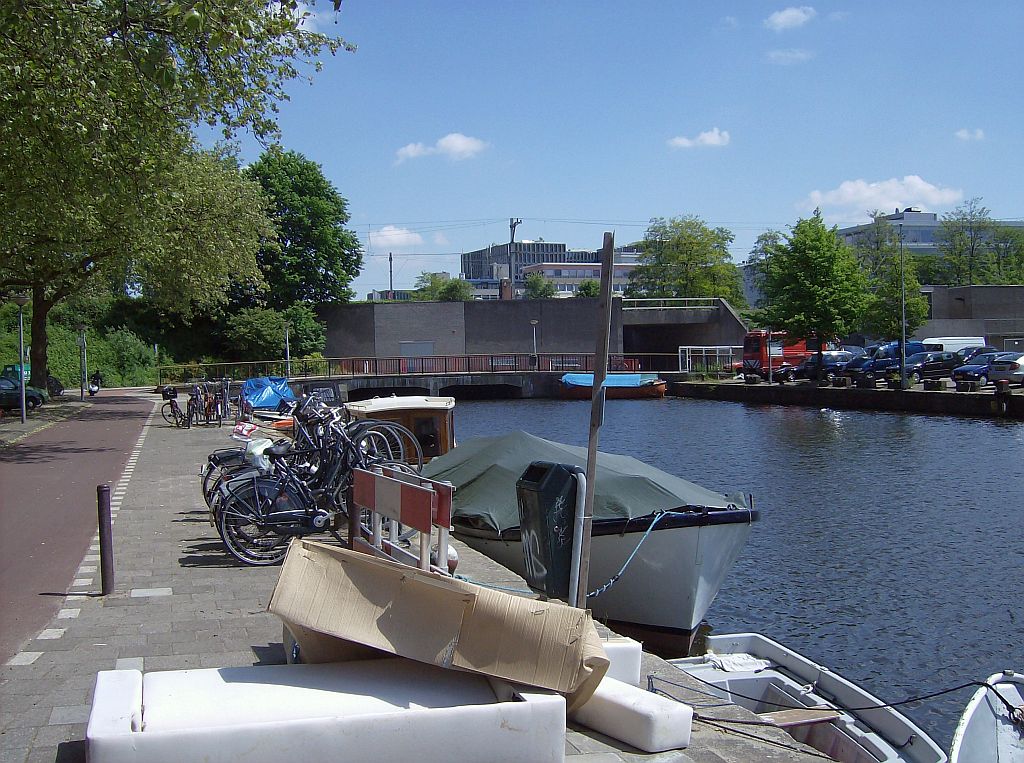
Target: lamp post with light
21,300
903,318
533,325
82,361
287,352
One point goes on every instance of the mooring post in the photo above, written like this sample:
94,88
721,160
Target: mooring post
106,539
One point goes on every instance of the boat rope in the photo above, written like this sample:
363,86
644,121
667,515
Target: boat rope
615,578
1009,707
717,723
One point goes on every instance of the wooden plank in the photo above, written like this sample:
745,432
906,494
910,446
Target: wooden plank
799,717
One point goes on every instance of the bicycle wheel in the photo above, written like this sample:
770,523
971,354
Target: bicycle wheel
246,537
167,411
189,413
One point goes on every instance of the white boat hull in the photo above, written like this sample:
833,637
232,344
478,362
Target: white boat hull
790,680
985,733
670,583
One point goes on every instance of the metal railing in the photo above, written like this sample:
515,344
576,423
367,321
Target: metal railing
432,365
671,303
709,359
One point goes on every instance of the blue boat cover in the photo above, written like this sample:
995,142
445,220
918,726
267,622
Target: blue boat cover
266,391
612,380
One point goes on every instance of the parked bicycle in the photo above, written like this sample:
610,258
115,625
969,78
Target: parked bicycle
170,410
260,497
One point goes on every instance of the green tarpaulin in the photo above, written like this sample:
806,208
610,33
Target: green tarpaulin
484,471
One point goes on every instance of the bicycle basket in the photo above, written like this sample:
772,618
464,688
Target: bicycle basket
169,392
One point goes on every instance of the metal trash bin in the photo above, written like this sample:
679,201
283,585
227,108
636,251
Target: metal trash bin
546,494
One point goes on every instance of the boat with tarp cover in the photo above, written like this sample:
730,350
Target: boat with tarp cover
686,537
616,386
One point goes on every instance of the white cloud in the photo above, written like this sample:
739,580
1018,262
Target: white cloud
441,240
789,56
730,21
839,16
392,237
855,197
713,137
790,18
454,145
976,134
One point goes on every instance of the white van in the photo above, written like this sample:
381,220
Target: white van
953,343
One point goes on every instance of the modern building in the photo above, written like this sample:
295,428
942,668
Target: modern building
567,277
920,230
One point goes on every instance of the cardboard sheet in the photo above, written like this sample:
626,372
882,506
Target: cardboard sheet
342,605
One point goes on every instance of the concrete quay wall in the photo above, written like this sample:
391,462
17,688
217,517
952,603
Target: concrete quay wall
979,404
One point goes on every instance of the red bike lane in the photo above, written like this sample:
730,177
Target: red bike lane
48,508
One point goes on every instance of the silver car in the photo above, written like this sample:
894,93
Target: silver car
1008,367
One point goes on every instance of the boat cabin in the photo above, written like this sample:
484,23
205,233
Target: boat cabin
431,419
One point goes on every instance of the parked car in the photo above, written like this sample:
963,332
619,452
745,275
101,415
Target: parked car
1009,366
832,362
967,353
871,369
979,368
930,365
10,395
860,370
855,350
11,371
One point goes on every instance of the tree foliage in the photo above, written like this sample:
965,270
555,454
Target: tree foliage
440,287
813,284
538,287
877,250
97,102
315,257
963,240
683,257
588,288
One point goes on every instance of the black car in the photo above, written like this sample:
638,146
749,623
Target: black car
931,365
10,395
832,362
969,353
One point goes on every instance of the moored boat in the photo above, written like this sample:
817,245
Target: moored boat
991,728
616,386
679,565
813,704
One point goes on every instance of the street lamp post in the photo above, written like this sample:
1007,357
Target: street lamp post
535,360
82,365
903,318
21,300
512,225
287,354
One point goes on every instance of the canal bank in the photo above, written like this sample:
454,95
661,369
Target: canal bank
988,404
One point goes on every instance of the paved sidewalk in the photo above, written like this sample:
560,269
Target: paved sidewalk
181,602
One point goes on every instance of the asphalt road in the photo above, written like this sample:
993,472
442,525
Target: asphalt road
48,508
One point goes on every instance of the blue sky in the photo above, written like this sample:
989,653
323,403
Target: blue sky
579,117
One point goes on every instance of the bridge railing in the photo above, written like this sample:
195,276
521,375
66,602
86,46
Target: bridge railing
671,303
430,365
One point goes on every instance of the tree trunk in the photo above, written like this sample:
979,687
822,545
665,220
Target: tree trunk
40,340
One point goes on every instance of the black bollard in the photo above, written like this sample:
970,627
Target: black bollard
106,539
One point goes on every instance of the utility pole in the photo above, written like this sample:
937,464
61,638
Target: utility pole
512,225
903,318
391,273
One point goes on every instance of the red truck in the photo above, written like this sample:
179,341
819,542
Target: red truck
784,355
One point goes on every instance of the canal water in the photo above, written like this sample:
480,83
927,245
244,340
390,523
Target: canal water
890,546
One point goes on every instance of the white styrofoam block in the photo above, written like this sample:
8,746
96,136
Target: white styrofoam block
641,718
395,708
624,656
189,699
119,693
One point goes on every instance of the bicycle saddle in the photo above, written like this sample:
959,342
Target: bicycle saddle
278,449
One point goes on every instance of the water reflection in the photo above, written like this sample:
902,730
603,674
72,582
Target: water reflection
880,552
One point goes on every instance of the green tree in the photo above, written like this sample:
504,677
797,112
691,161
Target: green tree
1007,246
97,102
255,333
874,245
588,288
813,284
315,257
764,247
441,287
306,334
963,240
538,287
131,357
683,257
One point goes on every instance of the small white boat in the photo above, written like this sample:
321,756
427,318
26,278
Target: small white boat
991,729
813,704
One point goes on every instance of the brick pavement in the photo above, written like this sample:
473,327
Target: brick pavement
181,602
